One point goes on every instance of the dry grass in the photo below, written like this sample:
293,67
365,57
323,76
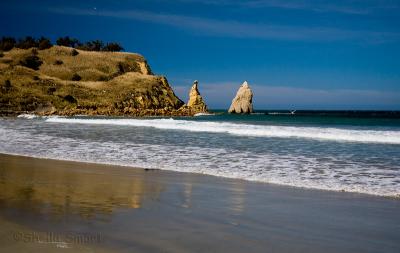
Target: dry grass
91,66
105,82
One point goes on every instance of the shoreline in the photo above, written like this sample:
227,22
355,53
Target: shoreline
397,197
134,210
181,112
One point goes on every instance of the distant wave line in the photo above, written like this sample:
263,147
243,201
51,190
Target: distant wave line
319,133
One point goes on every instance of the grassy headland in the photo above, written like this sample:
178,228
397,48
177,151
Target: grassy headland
67,81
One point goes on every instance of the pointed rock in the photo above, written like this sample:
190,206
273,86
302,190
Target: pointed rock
196,101
243,101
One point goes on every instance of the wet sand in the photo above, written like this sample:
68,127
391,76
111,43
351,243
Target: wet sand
52,206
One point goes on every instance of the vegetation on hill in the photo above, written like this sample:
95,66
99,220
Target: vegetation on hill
67,81
94,45
42,43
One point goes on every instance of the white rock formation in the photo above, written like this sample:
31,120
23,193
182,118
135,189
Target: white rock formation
243,101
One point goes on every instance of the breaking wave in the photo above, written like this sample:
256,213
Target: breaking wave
319,133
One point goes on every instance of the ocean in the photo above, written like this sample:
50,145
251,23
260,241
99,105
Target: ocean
329,150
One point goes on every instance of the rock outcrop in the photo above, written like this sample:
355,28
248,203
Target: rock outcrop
111,83
243,101
196,102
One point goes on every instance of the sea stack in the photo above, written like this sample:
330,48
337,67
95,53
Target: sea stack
196,102
243,101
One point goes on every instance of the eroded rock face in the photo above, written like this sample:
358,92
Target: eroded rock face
196,101
243,101
121,84
144,68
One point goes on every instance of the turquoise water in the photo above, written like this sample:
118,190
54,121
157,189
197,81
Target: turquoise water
315,118
349,152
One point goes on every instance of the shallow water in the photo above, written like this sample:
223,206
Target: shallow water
331,153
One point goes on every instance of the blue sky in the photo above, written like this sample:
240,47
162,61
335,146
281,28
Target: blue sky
295,54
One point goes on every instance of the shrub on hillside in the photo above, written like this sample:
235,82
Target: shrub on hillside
74,52
121,67
44,43
7,85
1,54
95,45
26,43
67,41
83,46
70,99
112,47
98,45
74,42
76,77
58,62
31,61
7,43
103,78
51,90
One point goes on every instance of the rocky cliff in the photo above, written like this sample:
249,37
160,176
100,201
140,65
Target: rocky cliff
65,81
196,101
243,101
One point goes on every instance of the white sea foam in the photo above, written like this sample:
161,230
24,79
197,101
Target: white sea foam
331,173
330,134
27,116
204,114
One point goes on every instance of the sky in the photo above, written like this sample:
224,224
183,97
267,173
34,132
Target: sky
305,54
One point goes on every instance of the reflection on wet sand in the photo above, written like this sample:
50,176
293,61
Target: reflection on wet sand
187,195
70,190
135,210
237,198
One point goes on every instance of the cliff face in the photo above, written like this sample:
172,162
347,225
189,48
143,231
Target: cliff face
196,101
243,101
65,81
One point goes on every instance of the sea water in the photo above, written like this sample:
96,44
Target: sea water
356,152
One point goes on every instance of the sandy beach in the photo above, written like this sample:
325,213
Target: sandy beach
51,205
